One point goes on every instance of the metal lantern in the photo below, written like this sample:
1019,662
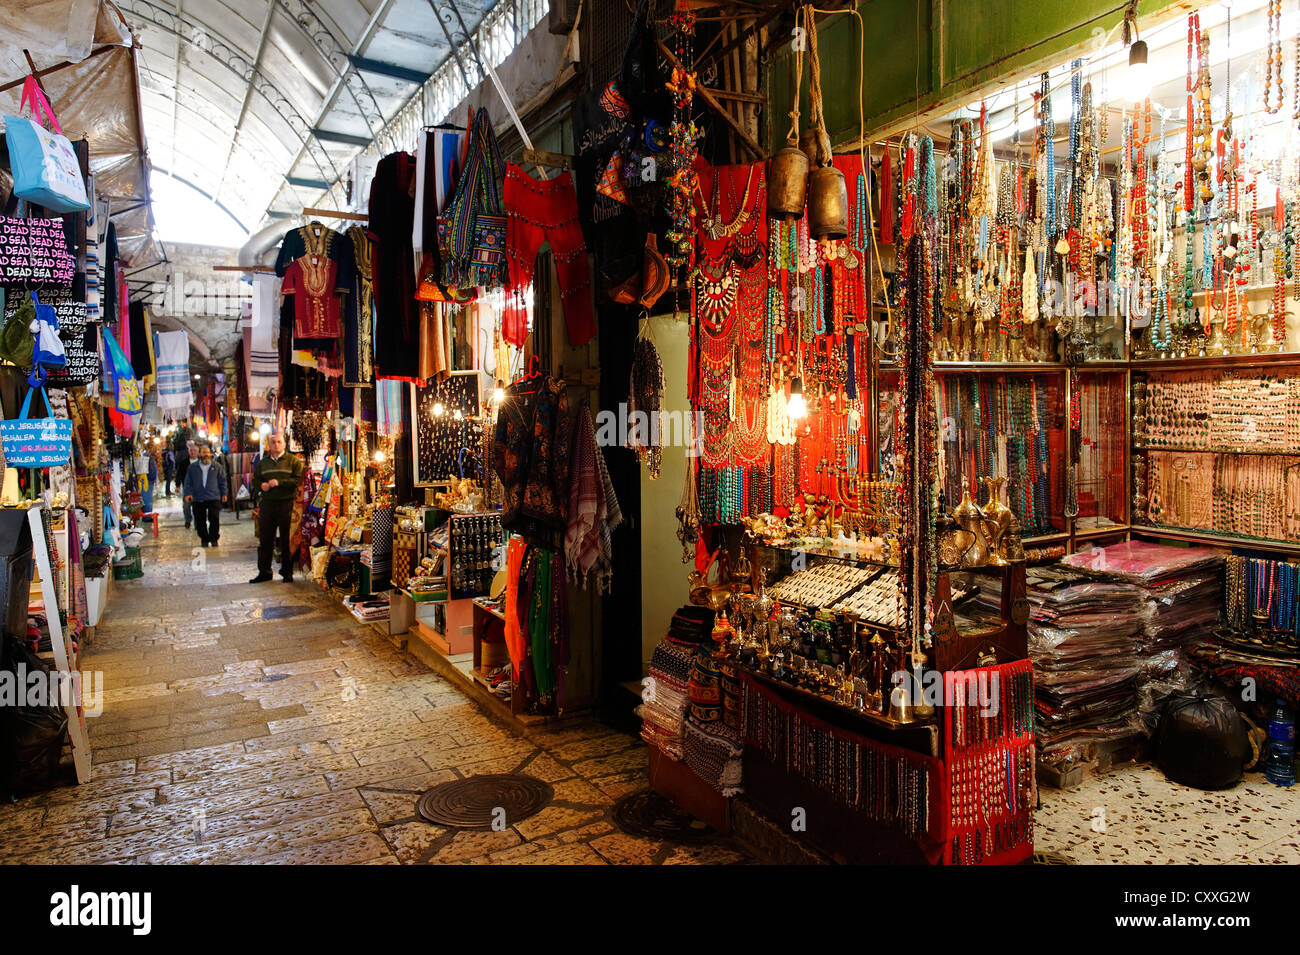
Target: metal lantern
787,184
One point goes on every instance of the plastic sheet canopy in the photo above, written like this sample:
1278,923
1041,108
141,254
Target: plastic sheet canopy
96,99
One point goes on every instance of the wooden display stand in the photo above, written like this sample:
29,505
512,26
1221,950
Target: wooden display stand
66,655
675,780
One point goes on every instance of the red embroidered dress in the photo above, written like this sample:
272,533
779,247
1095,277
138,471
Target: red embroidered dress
316,313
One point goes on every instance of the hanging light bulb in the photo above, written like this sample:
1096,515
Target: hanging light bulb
795,407
379,457
1137,82
498,393
438,409
265,429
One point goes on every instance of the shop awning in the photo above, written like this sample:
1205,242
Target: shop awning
93,84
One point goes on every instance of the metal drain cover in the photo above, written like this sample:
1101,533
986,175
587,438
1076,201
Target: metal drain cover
482,801
648,813
282,613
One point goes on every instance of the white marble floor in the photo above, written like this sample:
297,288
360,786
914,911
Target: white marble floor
1134,815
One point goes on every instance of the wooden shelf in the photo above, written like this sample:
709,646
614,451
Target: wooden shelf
1285,454
1212,538
1263,360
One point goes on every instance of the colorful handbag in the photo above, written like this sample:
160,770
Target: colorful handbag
45,167
36,442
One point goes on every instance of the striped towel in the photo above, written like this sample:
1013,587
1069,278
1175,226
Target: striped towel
263,356
174,392
389,394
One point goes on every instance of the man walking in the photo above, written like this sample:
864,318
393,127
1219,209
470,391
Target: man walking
205,492
182,472
277,476
169,469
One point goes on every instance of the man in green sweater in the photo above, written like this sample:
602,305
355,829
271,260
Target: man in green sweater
277,476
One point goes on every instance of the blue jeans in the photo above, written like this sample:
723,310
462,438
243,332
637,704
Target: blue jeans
146,498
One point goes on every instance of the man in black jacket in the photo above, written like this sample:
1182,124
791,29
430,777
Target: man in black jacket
277,477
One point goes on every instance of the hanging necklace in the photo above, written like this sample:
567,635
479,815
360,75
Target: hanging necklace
1273,58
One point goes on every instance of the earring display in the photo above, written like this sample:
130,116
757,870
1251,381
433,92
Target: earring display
447,433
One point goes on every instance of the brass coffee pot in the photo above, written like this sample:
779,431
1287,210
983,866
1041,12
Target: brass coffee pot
970,519
997,519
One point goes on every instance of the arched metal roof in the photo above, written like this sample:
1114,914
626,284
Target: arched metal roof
263,103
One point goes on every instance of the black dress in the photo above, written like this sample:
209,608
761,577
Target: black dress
392,220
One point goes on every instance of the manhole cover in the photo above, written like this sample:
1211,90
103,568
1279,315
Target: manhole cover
281,613
481,801
648,813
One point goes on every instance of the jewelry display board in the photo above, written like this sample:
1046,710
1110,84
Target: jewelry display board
447,436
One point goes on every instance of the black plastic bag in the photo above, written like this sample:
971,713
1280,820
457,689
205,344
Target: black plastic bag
31,737
1203,742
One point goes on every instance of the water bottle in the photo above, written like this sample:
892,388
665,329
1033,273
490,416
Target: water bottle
1279,759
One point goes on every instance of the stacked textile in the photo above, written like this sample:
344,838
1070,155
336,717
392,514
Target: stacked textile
1180,590
1084,632
711,733
666,699
663,709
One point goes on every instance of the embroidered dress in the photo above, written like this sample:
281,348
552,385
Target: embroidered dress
530,454
310,280
359,318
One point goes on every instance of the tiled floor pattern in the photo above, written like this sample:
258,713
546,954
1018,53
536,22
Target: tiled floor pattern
1135,815
231,734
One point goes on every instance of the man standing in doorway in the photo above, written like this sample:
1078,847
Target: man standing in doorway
277,476
205,492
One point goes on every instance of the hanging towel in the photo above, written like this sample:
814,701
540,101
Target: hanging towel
174,393
263,356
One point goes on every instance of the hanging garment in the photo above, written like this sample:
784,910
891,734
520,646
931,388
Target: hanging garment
593,508
390,394
514,633
359,315
472,230
530,454
397,321
301,389
316,310
547,212
263,356
142,357
435,356
174,392
423,185
315,239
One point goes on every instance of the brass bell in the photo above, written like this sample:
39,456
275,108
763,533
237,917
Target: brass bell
900,706
787,184
809,143
828,204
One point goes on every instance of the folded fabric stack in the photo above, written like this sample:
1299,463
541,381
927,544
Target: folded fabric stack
367,610
667,690
1083,641
1181,593
666,699
711,732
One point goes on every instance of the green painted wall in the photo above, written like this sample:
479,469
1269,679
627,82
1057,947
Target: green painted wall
925,53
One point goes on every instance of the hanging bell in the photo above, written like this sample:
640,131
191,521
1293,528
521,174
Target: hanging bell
787,184
828,204
809,142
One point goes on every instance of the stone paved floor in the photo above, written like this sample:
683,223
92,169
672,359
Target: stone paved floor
228,736
264,724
